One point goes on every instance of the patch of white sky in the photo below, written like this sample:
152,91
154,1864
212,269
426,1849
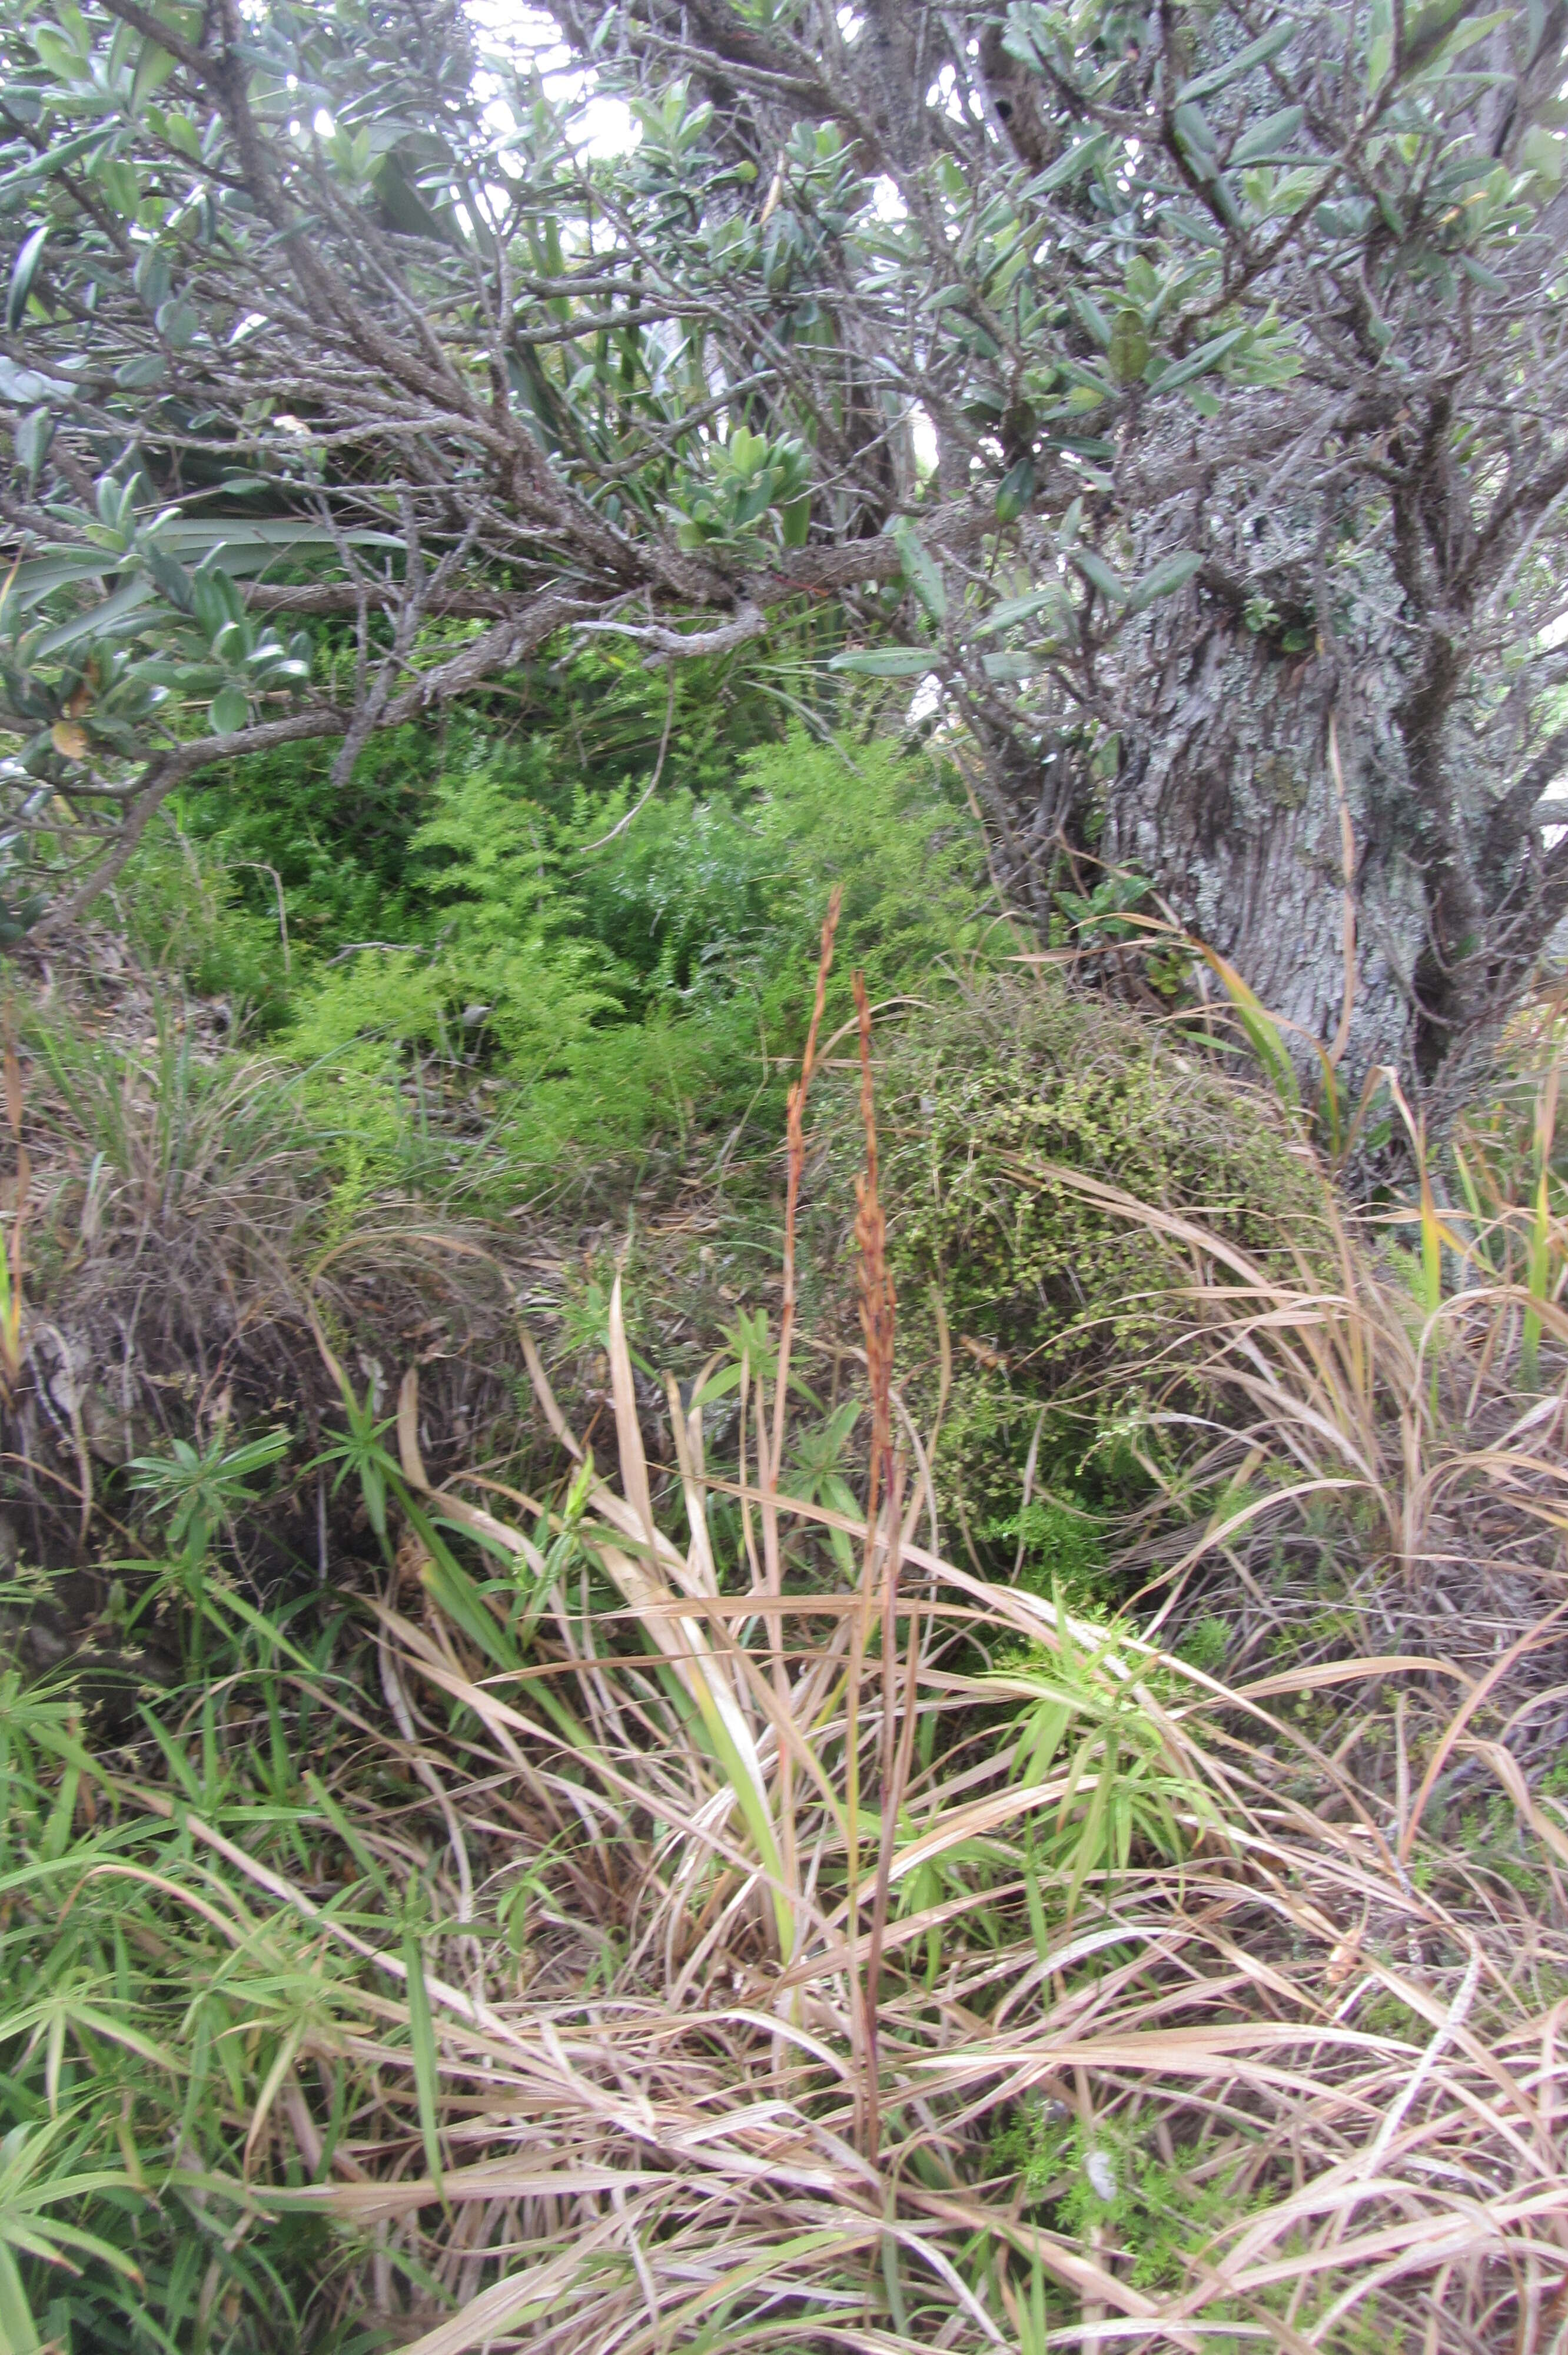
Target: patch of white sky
601,125
926,700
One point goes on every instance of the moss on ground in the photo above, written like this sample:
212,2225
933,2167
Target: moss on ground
1054,1302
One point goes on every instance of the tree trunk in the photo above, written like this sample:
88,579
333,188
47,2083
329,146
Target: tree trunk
1226,798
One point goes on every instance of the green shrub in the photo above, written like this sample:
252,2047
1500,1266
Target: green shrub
341,853
1104,2181
184,912
574,738
656,985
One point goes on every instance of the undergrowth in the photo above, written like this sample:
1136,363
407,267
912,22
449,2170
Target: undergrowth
629,1880
505,1846
471,935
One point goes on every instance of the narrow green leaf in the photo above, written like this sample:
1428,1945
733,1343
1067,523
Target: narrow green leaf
105,620
41,167
182,136
1194,227
1069,167
1172,573
450,1587
1545,153
1098,574
1090,1850
26,385
1128,351
153,68
894,2288
169,576
18,2332
883,662
31,440
152,280
1262,1032
422,2035
1198,363
1038,1926
177,323
1197,137
1256,53
1481,274
1015,491
1433,37
140,374
1014,609
23,270
1268,137
1090,316
920,571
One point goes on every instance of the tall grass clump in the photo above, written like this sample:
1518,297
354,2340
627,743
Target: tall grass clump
171,1223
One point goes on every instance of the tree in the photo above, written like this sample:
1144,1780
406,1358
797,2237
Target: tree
1184,388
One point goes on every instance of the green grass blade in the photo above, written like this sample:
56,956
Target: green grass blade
18,2332
426,2074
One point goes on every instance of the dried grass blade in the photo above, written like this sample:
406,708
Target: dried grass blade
527,2297
628,1430
548,1407
409,1455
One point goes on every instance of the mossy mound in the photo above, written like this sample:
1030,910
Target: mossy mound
1053,1301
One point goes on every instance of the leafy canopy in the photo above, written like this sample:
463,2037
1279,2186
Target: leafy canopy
342,377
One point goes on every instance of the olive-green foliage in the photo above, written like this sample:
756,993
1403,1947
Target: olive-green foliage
1044,1291
710,911
1059,1549
340,853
